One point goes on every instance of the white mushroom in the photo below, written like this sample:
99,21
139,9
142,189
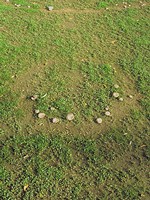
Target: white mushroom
55,120
121,99
41,115
50,8
52,108
107,113
70,117
17,5
116,86
116,94
107,108
34,97
99,120
36,111
130,96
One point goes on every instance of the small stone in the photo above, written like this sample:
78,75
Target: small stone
130,96
41,115
70,117
50,8
29,6
116,94
55,120
99,120
34,97
116,86
107,113
37,111
121,99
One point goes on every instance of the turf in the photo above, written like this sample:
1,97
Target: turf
71,58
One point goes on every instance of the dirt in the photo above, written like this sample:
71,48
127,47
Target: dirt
117,7
26,83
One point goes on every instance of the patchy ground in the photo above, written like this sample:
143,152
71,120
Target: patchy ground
72,58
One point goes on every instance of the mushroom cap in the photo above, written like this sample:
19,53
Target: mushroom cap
99,120
116,94
34,97
116,86
52,108
107,108
55,120
41,115
50,8
70,116
107,113
36,111
17,5
130,96
121,99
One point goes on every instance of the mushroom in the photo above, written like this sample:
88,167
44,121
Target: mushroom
99,120
37,111
107,108
50,8
116,94
121,99
52,108
41,115
116,86
55,120
17,5
34,97
70,117
130,96
107,113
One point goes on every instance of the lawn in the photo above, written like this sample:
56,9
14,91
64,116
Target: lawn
89,58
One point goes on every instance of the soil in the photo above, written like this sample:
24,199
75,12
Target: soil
26,83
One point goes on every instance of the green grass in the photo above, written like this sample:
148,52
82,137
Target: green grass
72,168
72,61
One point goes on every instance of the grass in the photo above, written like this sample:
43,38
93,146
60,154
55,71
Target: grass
71,59
72,168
